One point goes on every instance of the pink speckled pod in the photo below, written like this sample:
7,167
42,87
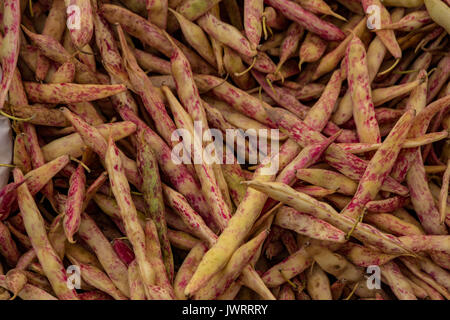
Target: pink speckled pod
253,12
137,291
178,175
291,266
98,279
196,37
306,158
307,225
154,255
426,243
151,35
54,27
281,96
74,203
73,144
111,59
386,205
240,258
193,9
52,49
191,218
359,86
65,73
346,163
392,224
187,269
312,48
307,19
438,78
237,98
69,92
290,43
332,58
380,166
322,210
79,21
263,62
36,179
190,99
387,36
134,231
275,19
7,197
8,247
92,137
227,34
152,102
29,292
34,224
232,236
10,54
319,114
319,7
411,21
420,194
328,179
397,281
363,256
150,62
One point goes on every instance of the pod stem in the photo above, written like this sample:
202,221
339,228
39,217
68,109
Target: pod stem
271,86
360,219
3,113
293,285
7,165
352,292
239,74
81,163
390,68
30,5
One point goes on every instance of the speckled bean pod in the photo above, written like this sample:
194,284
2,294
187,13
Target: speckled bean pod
196,38
79,21
69,92
346,163
227,34
74,203
386,36
240,258
150,34
134,230
307,225
359,86
324,211
53,27
10,52
308,20
73,144
380,165
34,224
148,93
253,12
153,197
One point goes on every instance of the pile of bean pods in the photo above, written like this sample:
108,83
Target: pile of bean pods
351,96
